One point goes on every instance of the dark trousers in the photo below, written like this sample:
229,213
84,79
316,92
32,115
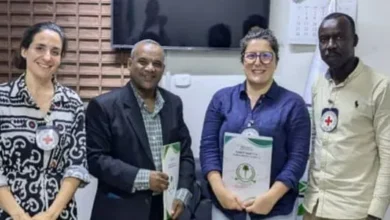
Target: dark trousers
157,208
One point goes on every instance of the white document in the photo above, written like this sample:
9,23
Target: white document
170,165
247,165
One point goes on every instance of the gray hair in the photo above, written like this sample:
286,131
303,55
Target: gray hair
139,43
262,34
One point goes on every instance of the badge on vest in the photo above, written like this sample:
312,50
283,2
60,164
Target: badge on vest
47,137
329,119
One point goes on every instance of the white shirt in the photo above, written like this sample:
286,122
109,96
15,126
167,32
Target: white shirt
349,172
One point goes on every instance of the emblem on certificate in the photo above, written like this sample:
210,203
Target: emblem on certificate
329,119
246,173
47,137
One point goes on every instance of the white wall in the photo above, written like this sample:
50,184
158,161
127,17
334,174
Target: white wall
212,66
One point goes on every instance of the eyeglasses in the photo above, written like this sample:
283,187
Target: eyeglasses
265,57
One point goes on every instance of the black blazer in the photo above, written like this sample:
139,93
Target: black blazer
117,147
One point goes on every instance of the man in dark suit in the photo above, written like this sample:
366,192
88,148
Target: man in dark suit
126,129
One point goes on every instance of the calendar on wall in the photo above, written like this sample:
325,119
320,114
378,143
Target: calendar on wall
306,16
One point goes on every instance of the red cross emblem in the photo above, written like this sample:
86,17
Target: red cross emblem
47,139
328,121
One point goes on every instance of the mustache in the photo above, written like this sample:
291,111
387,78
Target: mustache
332,53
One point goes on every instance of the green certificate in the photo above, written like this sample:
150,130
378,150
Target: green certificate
170,165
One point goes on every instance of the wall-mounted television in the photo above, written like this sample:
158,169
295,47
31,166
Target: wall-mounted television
186,24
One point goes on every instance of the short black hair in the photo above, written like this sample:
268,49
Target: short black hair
336,15
28,37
